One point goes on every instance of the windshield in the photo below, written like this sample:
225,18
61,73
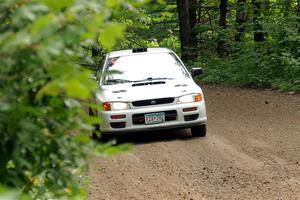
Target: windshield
144,67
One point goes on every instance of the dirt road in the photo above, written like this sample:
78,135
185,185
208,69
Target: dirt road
252,151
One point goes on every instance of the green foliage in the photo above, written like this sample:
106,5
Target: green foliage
273,63
44,92
8,194
264,65
151,26
111,33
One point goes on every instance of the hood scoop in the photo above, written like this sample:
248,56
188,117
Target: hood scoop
181,85
148,83
119,91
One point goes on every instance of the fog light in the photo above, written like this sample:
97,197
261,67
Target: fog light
189,109
118,116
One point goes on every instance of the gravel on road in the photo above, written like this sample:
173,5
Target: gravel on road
251,151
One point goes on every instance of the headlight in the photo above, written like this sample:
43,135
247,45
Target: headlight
190,98
115,106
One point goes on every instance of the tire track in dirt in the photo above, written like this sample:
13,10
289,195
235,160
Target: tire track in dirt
252,151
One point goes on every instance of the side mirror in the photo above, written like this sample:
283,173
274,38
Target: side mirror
94,77
196,72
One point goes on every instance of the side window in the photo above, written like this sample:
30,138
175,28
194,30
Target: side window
112,61
178,63
99,69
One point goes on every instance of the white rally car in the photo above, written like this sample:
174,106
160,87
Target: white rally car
149,89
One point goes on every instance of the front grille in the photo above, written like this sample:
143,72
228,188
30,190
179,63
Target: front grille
151,102
191,117
170,115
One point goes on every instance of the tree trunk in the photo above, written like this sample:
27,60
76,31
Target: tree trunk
193,6
199,9
287,7
257,27
240,20
298,7
222,23
298,14
184,29
267,8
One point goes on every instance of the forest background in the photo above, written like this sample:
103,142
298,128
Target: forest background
49,51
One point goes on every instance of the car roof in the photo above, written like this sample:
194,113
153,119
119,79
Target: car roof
129,52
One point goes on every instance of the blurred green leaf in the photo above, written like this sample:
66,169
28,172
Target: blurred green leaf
75,88
10,164
82,138
42,23
57,5
60,69
113,3
9,194
110,34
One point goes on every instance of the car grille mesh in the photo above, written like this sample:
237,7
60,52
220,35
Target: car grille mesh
151,102
170,115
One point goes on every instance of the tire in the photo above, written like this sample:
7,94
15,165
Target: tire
94,135
91,112
199,130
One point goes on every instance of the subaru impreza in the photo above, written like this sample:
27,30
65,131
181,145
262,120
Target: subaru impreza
147,89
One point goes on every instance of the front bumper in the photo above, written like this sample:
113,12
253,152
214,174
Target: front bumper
182,119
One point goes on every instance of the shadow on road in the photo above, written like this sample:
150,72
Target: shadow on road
150,136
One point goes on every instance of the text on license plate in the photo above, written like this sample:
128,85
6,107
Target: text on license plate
154,118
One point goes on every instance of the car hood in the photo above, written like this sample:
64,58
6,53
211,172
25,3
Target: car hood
129,92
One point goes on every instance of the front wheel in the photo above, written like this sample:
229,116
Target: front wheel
199,130
94,134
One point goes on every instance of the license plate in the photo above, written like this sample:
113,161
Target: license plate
154,118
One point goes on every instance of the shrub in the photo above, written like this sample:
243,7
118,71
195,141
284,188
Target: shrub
264,65
44,129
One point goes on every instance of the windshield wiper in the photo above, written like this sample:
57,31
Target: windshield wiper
153,79
115,81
